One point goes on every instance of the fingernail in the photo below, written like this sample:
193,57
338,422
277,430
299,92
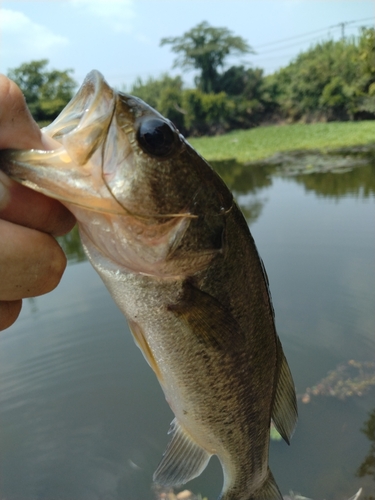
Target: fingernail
4,190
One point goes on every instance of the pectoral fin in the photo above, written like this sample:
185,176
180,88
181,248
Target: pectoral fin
209,320
182,461
141,342
284,412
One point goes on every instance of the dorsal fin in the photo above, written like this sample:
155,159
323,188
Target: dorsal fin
284,411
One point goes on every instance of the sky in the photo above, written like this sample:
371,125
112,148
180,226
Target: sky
121,38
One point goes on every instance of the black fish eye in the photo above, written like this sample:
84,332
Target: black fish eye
156,137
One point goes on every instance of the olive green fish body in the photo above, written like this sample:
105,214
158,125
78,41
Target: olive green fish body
175,252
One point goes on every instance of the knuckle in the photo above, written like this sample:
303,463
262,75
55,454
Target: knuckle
50,267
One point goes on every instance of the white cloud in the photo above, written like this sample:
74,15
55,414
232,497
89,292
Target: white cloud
23,39
118,13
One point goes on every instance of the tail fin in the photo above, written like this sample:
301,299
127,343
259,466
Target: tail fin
268,491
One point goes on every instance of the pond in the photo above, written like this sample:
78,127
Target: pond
83,417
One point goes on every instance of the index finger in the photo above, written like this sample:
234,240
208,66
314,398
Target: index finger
19,204
25,207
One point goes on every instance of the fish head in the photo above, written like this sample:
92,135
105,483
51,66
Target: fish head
114,155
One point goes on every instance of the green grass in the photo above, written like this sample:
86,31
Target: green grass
263,142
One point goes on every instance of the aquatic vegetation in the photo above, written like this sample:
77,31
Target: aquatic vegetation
262,142
353,378
313,161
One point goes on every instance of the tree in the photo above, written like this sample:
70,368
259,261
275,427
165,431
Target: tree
46,92
206,48
241,81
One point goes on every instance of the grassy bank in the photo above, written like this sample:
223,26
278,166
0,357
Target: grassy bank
262,142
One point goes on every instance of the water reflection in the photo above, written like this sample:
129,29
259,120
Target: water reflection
240,178
358,182
245,184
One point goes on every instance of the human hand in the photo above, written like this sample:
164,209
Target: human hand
31,261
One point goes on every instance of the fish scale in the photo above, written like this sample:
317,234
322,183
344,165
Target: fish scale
176,254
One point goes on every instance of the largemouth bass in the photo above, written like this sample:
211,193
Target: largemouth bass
164,233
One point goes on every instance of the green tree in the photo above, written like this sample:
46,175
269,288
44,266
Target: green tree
163,94
46,91
245,82
206,48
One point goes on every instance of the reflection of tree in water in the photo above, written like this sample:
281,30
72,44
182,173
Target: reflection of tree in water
251,209
359,182
71,244
244,179
367,467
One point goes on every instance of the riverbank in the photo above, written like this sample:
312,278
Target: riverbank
263,142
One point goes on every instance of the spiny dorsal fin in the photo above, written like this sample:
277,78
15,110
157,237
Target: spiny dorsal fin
183,459
284,411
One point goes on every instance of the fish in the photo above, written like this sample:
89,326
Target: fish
176,254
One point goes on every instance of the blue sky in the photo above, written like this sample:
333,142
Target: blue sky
121,37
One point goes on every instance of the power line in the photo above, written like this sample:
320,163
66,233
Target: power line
289,46
300,42
311,32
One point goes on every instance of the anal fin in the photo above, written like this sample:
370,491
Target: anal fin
182,461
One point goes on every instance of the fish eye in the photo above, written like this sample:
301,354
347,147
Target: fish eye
156,137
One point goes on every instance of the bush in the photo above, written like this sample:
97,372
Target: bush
206,113
331,80
163,94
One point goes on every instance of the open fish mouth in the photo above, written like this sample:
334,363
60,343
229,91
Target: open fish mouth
72,172
89,147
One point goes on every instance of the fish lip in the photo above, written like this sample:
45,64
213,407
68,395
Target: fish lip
85,99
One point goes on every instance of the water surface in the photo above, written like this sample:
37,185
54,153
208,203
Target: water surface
82,416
